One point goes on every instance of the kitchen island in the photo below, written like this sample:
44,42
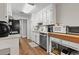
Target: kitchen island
10,45
67,40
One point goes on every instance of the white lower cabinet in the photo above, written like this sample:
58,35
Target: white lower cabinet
9,45
35,37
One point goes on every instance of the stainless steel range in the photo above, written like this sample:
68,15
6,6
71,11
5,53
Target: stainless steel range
43,40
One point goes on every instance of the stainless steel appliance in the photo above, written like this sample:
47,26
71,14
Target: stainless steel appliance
73,30
66,29
43,29
4,29
60,29
46,28
50,28
14,26
43,35
43,40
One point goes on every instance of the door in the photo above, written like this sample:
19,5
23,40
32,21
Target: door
23,27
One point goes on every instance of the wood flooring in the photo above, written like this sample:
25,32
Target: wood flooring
26,49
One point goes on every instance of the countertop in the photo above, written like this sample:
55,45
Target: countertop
40,32
68,37
11,36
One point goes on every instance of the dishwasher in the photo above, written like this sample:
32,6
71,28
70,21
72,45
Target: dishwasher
43,40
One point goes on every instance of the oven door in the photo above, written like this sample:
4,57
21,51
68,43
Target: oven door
43,40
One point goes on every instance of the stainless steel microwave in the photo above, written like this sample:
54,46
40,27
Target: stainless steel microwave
73,30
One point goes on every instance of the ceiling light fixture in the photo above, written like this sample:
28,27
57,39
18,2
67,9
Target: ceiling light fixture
28,8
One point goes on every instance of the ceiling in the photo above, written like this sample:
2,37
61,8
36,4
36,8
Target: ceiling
18,7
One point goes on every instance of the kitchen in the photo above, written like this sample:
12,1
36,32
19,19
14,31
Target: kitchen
51,28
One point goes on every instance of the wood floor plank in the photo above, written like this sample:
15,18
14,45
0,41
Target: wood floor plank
26,49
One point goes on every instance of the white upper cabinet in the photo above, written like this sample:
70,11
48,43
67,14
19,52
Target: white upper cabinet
3,12
48,14
40,16
51,14
44,16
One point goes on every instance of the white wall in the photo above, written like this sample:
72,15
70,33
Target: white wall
68,14
28,29
3,11
16,16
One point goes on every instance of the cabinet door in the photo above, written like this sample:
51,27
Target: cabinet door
44,16
15,46
51,14
48,16
40,16
12,43
33,36
37,38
